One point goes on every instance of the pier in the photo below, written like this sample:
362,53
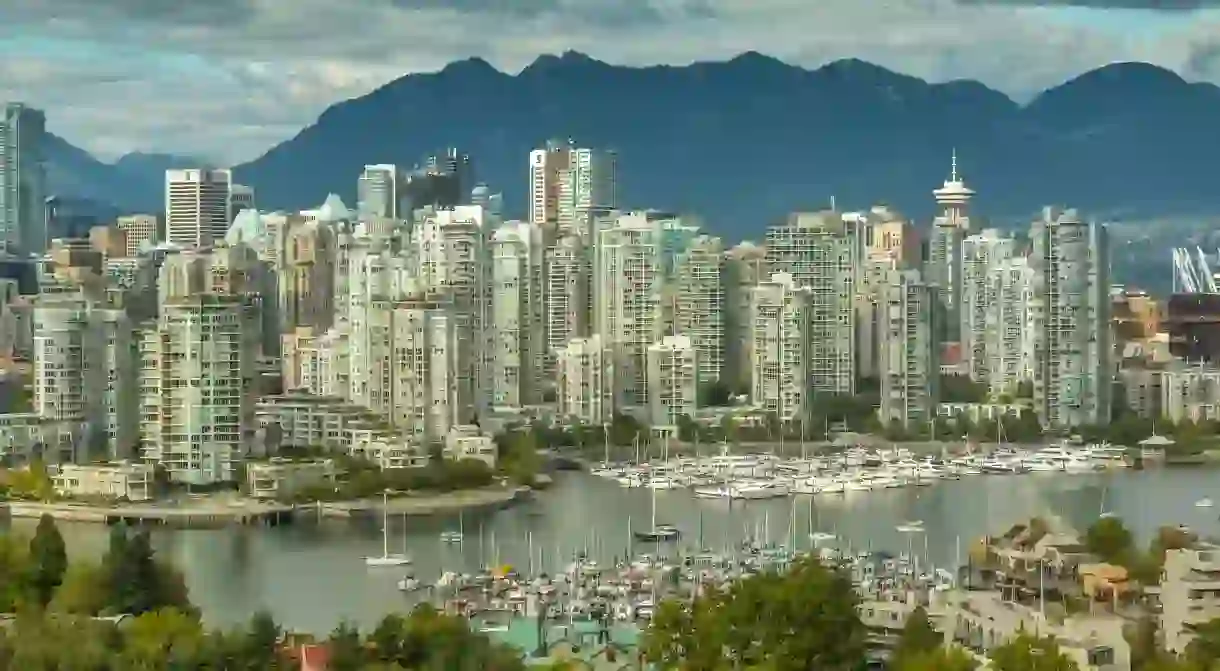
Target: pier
205,516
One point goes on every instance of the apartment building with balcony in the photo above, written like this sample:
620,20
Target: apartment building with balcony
585,378
673,382
281,478
1190,593
119,480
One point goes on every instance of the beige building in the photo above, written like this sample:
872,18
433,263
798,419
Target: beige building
118,480
468,442
673,381
140,231
280,478
1190,593
585,376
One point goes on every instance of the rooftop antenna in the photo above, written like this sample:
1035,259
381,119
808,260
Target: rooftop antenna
953,173
832,203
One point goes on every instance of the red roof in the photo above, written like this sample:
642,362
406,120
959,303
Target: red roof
315,657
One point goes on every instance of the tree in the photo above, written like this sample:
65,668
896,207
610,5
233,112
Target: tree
1110,540
261,643
936,659
750,624
347,652
1030,653
918,637
162,639
84,590
48,561
14,557
1204,648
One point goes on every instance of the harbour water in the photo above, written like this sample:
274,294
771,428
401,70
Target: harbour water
312,576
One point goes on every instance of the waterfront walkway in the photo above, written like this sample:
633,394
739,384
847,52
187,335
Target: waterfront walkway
227,509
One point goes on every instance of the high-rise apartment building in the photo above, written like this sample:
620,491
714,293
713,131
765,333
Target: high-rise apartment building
1010,330
910,352
23,190
822,252
700,304
744,267
982,255
1070,311
779,343
197,387
585,389
570,185
627,301
565,296
197,207
673,382
84,372
517,338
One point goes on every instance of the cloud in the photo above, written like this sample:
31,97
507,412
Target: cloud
1151,5
226,79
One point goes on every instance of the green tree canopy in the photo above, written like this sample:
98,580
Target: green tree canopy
48,561
1110,540
802,619
936,659
918,637
1030,653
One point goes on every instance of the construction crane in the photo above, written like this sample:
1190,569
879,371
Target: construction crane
1192,274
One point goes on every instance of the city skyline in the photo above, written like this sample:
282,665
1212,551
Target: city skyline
237,63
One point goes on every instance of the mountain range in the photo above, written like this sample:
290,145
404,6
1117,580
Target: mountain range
744,141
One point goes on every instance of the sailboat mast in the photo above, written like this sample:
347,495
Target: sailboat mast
385,524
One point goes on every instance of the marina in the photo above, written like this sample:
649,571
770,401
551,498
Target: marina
754,477
313,576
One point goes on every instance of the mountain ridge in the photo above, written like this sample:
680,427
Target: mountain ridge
742,141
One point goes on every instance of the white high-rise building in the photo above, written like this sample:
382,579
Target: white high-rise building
516,319
452,249
585,380
424,364
84,373
673,381
197,206
822,251
982,254
378,192
197,385
23,189
566,295
628,282
1009,329
1070,310
779,345
699,313
910,361
570,185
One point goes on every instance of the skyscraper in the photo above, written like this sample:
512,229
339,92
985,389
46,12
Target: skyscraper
570,185
949,228
22,181
1070,312
910,362
197,206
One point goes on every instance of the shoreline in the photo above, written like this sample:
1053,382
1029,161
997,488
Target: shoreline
219,512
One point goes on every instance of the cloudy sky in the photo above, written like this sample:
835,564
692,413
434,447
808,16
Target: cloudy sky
226,79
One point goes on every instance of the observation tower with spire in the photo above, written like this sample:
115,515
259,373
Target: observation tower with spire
953,199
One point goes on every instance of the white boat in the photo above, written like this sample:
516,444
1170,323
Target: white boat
912,527
451,537
1203,503
387,558
409,584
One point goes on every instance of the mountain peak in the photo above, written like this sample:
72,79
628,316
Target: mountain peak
567,60
473,65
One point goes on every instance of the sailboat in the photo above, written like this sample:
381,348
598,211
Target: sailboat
455,536
386,558
658,533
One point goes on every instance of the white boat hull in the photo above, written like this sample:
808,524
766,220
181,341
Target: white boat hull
387,560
